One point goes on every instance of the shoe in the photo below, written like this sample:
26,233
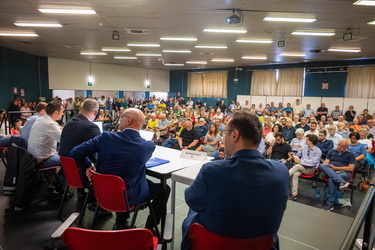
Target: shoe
343,186
328,206
117,226
292,197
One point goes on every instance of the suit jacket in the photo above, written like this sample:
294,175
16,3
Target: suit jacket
241,197
123,154
75,132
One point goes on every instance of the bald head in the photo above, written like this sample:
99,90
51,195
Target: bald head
132,118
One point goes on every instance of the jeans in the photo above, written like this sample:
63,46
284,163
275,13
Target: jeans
170,142
335,178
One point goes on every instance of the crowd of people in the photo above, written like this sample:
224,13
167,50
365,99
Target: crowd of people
294,138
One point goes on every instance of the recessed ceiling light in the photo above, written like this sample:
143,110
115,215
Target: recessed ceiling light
372,23
188,39
176,51
222,60
225,31
125,57
289,19
253,41
196,62
364,2
143,45
93,53
345,50
292,54
254,57
57,25
174,64
68,11
148,54
306,33
115,49
17,34
210,47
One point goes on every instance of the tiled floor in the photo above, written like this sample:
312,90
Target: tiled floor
31,228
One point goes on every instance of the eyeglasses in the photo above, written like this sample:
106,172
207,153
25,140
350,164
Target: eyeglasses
122,116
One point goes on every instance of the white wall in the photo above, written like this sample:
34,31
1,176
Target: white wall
68,74
63,94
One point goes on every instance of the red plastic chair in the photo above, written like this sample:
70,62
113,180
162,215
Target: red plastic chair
134,239
205,240
110,193
73,179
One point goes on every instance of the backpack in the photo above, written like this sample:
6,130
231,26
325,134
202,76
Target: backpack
363,185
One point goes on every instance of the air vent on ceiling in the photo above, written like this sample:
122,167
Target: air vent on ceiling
137,31
206,54
317,50
354,39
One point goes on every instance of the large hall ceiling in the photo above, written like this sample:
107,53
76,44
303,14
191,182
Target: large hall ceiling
188,18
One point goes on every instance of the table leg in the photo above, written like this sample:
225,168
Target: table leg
173,207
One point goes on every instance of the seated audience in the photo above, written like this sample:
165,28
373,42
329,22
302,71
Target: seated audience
350,114
210,141
324,145
336,113
333,136
307,159
338,166
15,130
289,132
359,150
341,130
355,127
162,128
189,137
303,124
280,150
313,129
271,135
298,142
363,133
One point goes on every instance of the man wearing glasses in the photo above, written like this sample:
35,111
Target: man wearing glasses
124,154
243,196
307,159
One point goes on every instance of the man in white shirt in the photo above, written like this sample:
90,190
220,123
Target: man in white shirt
246,106
333,136
312,130
45,134
297,108
308,111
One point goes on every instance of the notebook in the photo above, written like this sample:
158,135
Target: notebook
153,162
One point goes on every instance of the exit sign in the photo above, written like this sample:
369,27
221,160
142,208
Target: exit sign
89,84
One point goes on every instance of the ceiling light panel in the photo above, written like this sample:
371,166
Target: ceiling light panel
176,51
143,45
174,64
372,23
225,31
222,60
292,54
253,41
147,54
69,11
186,39
125,57
48,25
93,53
18,34
210,47
307,33
196,62
254,57
364,2
289,19
344,50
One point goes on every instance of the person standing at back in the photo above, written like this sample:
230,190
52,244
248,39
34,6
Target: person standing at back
224,201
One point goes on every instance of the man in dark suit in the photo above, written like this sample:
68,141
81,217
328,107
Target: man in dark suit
80,128
124,154
243,196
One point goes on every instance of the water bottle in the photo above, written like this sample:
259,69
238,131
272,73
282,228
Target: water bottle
317,194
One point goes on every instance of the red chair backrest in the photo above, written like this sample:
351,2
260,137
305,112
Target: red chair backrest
134,239
205,240
110,192
71,172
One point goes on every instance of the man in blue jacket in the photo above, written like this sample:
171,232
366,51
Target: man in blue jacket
243,196
124,154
